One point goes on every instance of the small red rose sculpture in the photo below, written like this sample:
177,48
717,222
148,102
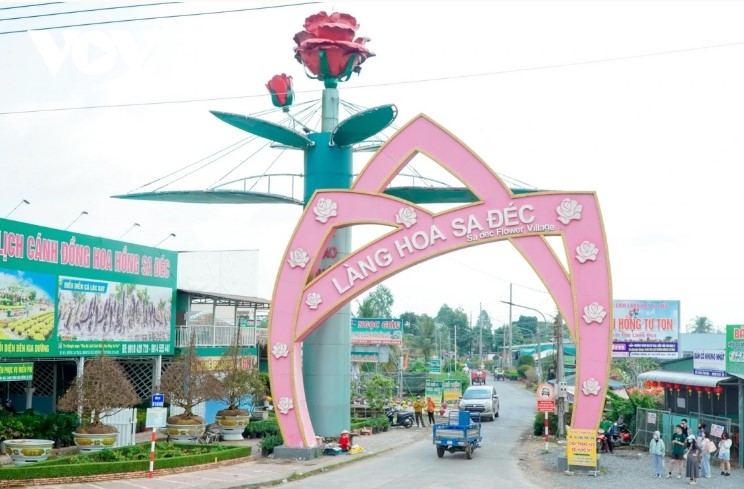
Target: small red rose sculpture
327,47
280,88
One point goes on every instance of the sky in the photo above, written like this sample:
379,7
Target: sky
638,101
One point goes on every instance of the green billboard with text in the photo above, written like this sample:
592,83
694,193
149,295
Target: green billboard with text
67,294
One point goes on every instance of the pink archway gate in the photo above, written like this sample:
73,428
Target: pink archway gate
302,301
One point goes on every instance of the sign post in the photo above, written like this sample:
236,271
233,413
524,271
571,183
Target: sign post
155,418
546,404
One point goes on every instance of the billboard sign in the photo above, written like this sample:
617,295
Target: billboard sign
735,350
68,294
12,372
433,389
376,331
709,362
452,390
646,329
365,357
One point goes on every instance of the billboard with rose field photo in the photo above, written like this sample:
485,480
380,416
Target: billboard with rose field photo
646,329
68,294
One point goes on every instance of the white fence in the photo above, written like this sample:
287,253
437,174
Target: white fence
213,336
126,422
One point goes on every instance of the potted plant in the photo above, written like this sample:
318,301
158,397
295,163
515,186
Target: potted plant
103,389
240,381
186,383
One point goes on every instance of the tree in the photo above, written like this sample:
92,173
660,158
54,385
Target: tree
378,389
104,388
187,382
452,318
239,383
701,325
422,337
378,304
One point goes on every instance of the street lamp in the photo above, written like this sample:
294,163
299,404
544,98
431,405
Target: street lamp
171,235
24,201
135,225
536,338
84,213
539,351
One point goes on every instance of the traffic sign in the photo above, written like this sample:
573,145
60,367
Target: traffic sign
545,398
158,400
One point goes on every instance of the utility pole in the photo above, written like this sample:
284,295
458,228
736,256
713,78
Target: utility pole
510,327
480,333
559,376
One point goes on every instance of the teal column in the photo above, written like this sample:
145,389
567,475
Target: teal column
326,353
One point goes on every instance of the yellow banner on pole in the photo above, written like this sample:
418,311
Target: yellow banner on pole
581,448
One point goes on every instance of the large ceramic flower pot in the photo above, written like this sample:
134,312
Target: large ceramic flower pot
185,433
94,442
28,451
232,427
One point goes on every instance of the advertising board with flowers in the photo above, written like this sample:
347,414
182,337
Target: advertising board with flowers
68,294
646,329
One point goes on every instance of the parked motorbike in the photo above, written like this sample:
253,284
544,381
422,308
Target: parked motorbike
621,434
400,418
602,441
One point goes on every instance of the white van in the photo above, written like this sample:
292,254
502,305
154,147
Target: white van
481,399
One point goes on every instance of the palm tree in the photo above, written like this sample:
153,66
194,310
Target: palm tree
701,325
422,339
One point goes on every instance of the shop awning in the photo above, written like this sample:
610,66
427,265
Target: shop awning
683,378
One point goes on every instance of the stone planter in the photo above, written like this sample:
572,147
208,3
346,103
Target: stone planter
232,427
94,442
259,415
24,452
185,433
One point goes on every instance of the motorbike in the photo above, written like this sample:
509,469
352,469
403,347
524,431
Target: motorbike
621,434
602,440
400,418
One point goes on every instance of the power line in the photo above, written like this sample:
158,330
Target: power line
30,5
383,84
160,17
36,16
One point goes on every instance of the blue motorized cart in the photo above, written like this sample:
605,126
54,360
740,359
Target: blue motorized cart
462,433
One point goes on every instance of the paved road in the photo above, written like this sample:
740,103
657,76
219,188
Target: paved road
418,465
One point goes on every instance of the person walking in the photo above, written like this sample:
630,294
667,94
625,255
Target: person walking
418,410
678,452
705,451
724,454
692,453
430,410
657,448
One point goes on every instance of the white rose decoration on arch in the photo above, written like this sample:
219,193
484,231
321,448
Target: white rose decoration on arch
298,258
569,210
280,350
586,251
591,387
325,209
313,300
285,404
594,313
406,216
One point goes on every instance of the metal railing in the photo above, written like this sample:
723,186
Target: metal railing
211,335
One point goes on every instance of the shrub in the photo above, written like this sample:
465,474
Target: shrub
260,429
538,426
83,466
270,442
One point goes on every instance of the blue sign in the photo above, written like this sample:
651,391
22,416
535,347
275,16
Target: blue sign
158,400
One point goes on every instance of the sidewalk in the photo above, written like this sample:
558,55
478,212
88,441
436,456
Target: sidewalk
261,471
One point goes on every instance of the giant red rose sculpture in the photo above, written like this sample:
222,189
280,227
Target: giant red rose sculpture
327,47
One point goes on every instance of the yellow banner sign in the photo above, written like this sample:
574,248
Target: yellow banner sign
582,448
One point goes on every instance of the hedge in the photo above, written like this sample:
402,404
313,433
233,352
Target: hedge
58,468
